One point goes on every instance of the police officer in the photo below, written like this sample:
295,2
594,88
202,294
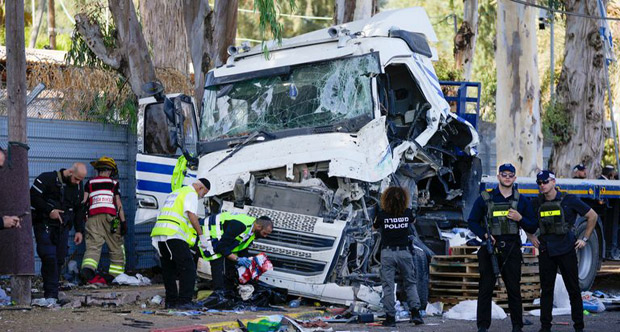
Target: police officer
393,220
174,234
556,213
496,216
579,172
608,173
229,237
56,199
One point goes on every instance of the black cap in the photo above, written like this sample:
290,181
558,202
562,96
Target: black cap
545,175
579,167
206,183
507,167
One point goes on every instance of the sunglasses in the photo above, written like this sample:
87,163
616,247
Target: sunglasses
541,182
507,175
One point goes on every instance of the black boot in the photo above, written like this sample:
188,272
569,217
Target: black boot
415,317
389,321
85,275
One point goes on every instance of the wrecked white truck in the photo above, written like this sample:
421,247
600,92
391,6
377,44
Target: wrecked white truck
310,136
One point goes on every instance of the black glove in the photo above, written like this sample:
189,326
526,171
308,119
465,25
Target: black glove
123,228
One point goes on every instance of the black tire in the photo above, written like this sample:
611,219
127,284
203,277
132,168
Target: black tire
588,257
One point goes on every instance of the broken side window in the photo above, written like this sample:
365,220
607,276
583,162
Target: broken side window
311,95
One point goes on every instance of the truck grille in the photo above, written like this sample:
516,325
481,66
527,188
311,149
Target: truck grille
294,266
286,220
282,251
302,241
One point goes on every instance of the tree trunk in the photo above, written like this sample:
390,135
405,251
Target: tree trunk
164,32
198,17
580,95
16,246
36,24
518,130
351,10
465,39
51,23
137,66
224,30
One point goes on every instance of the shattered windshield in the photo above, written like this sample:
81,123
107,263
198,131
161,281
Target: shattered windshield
309,95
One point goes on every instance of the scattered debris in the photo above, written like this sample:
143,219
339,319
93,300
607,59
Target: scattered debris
45,303
140,324
591,303
4,299
267,323
245,291
434,309
157,300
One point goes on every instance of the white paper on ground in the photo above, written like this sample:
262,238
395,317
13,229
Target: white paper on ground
433,309
555,312
138,280
466,310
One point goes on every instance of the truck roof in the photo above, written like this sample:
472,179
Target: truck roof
319,45
412,19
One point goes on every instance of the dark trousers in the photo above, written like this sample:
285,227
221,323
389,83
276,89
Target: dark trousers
177,262
509,261
548,267
224,271
52,245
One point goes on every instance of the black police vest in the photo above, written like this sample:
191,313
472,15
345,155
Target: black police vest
551,216
497,214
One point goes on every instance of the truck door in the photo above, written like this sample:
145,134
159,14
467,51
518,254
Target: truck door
158,150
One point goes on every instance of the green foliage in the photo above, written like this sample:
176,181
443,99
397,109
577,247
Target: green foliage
484,70
556,123
446,70
106,109
248,22
609,153
79,53
268,19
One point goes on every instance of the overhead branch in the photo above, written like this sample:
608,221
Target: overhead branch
91,33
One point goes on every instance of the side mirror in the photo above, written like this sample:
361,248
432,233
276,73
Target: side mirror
179,120
155,89
169,111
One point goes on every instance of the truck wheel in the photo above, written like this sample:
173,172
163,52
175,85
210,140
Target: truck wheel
588,258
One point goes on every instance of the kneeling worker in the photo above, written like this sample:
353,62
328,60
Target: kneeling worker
230,236
174,234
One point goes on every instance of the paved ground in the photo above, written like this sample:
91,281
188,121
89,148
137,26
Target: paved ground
110,319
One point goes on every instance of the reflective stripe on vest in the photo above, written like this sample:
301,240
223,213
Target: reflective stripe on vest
550,213
214,226
171,219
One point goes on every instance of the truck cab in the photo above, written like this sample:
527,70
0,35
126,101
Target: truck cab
311,135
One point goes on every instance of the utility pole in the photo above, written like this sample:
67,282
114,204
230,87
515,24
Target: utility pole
17,257
51,23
